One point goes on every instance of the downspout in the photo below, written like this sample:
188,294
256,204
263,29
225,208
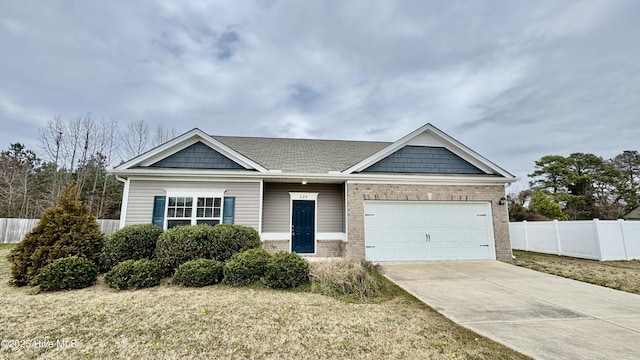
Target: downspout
125,201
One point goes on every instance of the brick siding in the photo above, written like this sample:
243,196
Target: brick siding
358,193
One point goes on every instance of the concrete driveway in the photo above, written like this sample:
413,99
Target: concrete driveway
540,315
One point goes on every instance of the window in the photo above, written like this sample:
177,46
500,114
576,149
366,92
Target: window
193,210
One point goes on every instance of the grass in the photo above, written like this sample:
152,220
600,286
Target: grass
620,275
172,322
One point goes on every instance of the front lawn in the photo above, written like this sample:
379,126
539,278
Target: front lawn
172,322
620,275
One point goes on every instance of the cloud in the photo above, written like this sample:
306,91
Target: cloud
512,80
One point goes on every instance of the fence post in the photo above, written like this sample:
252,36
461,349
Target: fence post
596,229
526,236
555,225
624,241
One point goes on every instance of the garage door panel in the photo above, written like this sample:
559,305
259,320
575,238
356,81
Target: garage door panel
397,231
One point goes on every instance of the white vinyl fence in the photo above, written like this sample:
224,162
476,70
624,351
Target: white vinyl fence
14,230
589,239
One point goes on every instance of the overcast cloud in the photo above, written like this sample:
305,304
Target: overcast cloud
513,80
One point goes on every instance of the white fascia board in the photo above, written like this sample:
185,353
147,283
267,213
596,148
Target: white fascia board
456,147
208,175
189,138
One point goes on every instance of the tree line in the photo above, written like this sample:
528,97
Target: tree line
580,186
78,150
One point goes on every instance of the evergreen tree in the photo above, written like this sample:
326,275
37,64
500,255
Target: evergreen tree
68,229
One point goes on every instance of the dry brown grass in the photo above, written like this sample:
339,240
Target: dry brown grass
172,322
620,275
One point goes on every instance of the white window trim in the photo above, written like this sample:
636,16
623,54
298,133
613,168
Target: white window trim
194,194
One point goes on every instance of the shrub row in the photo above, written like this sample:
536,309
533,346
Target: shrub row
134,274
133,242
256,266
66,273
198,273
184,243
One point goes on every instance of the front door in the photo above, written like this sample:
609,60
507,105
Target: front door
303,226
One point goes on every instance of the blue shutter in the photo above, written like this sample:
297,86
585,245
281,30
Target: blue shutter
158,210
229,209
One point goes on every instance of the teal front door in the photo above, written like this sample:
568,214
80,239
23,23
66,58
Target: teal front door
303,226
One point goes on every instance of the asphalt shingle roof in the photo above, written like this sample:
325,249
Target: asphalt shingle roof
302,155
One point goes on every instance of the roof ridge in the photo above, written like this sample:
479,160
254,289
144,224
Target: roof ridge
299,139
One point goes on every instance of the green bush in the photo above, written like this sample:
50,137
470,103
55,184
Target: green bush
66,230
346,279
183,243
134,274
246,268
133,242
66,273
286,270
200,272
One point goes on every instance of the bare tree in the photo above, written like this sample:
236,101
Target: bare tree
111,140
51,141
135,140
162,135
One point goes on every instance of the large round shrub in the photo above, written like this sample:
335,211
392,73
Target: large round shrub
200,272
134,274
286,270
183,243
66,230
133,242
246,268
66,273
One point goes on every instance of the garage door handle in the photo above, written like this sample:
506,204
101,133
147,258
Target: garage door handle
485,245
369,246
427,237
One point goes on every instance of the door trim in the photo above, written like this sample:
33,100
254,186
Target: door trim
307,196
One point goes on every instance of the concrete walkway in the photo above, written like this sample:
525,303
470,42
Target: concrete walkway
540,315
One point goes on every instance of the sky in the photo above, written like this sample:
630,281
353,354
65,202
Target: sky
513,80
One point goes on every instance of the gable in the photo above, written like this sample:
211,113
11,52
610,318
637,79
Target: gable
423,160
415,153
197,156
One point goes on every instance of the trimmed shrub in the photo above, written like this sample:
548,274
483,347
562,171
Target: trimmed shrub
230,239
183,243
346,279
133,242
66,230
134,274
200,272
246,268
66,273
286,270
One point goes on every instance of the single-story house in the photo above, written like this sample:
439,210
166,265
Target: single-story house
424,197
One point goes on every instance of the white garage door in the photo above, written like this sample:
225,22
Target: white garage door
405,231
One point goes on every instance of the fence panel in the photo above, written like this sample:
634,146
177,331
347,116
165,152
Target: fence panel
578,239
541,236
14,230
631,233
517,233
597,239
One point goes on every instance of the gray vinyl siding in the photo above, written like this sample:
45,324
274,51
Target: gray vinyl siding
424,160
141,193
277,202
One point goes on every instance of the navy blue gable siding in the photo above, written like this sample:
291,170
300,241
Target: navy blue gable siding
424,160
197,156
